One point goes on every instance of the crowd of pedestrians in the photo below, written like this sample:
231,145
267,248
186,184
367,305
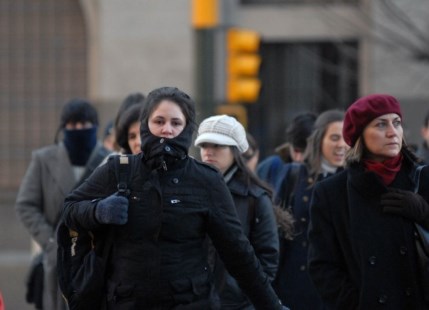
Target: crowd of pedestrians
327,222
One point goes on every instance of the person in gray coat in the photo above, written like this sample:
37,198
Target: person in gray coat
53,172
362,246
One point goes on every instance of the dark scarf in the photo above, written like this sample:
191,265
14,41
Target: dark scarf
79,144
386,169
160,153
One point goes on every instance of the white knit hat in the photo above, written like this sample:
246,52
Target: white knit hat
222,130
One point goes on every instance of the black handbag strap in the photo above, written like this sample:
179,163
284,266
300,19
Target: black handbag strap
422,232
417,178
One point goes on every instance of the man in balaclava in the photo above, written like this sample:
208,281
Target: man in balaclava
53,172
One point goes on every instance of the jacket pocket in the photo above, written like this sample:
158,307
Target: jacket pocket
187,290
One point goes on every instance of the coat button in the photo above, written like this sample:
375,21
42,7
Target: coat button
304,244
382,299
167,148
161,140
302,268
403,250
303,219
372,260
175,180
310,180
305,198
257,220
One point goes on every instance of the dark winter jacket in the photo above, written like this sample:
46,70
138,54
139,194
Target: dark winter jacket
360,257
292,283
255,211
159,260
423,152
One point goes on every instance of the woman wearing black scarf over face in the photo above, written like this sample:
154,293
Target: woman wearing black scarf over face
362,249
159,257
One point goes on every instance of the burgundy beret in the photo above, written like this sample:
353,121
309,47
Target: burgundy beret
363,111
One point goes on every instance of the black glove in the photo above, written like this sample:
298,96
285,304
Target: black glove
112,210
406,204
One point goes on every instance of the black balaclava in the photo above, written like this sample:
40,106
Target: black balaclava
79,144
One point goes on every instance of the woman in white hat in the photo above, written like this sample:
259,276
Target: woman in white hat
222,141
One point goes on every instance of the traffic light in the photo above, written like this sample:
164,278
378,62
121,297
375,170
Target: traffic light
243,62
237,111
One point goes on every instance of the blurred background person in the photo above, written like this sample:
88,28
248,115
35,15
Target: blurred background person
323,157
130,100
423,149
109,136
270,169
53,172
128,130
362,244
252,154
222,141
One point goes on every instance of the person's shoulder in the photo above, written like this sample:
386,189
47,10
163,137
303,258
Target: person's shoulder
206,169
47,150
334,181
270,160
202,165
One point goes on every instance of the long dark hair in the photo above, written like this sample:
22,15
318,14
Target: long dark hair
313,152
174,94
249,175
126,119
284,218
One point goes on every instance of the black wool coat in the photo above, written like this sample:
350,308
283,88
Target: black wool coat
360,257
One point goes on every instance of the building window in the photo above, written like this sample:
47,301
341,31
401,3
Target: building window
300,77
43,63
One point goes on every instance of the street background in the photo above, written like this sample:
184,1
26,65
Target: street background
15,256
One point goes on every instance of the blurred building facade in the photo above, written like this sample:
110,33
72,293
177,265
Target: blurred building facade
316,55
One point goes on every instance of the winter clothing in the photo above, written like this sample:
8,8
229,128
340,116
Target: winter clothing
255,211
361,257
363,111
222,130
159,259
112,210
423,152
292,283
49,178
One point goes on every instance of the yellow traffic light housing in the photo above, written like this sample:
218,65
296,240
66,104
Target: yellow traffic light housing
237,111
243,64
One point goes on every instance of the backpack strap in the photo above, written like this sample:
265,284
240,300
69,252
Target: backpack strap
122,172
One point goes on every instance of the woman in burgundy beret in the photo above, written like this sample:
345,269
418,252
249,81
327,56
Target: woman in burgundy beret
362,246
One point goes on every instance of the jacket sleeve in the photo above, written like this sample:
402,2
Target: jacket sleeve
327,266
29,203
234,248
264,236
79,205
